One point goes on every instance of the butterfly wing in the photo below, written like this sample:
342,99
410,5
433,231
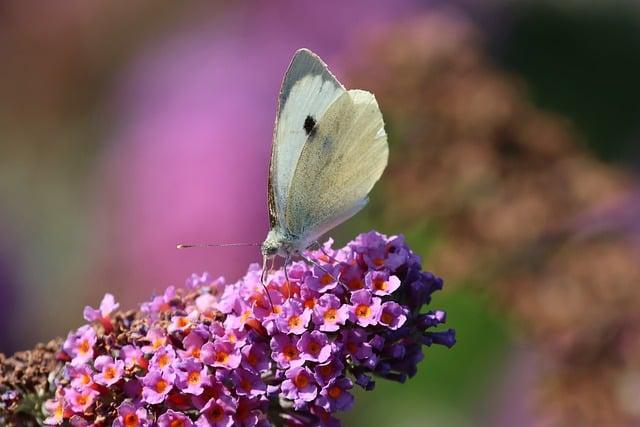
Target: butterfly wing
342,159
308,89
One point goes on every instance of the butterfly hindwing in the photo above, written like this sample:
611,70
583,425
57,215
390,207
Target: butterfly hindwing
338,165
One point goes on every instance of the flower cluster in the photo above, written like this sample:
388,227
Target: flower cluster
217,354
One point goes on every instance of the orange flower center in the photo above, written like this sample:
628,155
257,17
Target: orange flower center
183,322
110,373
131,420
157,343
325,370
195,352
81,400
161,386
334,392
163,360
193,378
314,347
331,315
378,262
245,384
294,321
177,423
310,303
84,347
222,357
355,284
326,279
290,352
86,379
352,347
379,284
301,380
386,318
216,412
363,310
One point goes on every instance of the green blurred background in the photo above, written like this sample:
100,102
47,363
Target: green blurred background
127,127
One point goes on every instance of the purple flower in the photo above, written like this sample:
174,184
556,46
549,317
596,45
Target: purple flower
294,318
217,413
131,415
163,359
192,376
299,386
336,395
193,345
255,357
220,354
57,409
156,386
327,372
132,357
324,278
110,371
247,383
172,418
183,323
285,351
314,346
80,400
364,308
329,313
392,315
79,345
80,375
107,306
157,338
353,341
380,283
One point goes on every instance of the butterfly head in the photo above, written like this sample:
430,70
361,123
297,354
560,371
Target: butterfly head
280,243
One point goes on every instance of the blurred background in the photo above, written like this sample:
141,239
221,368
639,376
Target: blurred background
127,127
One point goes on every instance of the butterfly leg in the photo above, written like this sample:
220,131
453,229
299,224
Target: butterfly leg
286,274
263,279
325,252
310,261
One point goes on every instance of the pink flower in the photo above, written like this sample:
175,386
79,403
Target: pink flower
157,385
57,409
107,306
314,346
131,415
364,308
192,376
157,338
79,345
172,418
110,371
380,283
329,313
221,354
392,315
80,375
299,386
294,318
80,401
217,413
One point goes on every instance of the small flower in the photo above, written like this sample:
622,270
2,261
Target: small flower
294,318
217,413
163,359
57,410
247,383
380,283
353,342
327,372
79,345
80,401
336,395
285,351
80,375
182,323
324,278
172,418
157,386
255,357
220,354
193,345
364,308
107,306
133,357
192,376
314,346
110,371
157,338
299,385
131,415
329,313
392,315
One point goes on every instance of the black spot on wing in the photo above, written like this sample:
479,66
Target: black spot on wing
309,125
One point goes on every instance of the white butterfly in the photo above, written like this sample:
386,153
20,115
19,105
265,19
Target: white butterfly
329,149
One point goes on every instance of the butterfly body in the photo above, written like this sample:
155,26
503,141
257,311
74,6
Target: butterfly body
329,149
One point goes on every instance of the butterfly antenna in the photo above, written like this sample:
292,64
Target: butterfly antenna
213,245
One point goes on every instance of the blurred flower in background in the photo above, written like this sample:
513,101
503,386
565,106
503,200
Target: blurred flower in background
129,128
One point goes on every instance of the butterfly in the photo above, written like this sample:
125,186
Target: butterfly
329,149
